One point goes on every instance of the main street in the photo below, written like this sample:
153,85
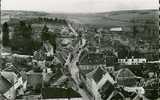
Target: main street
75,76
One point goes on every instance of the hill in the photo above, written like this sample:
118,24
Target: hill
115,18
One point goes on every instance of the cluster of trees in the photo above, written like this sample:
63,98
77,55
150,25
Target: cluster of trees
144,28
22,40
5,37
47,20
51,20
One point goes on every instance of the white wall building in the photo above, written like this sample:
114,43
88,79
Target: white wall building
116,29
132,61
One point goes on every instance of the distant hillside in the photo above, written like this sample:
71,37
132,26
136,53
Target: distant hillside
115,18
8,14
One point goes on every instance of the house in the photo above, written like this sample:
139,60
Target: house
5,85
116,29
111,60
132,61
10,85
54,93
53,77
125,77
91,61
11,68
14,77
100,80
34,80
106,90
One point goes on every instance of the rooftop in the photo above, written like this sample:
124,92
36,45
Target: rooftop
49,93
93,59
97,74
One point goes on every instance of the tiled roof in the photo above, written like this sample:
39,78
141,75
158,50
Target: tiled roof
126,77
106,90
50,93
97,74
12,68
125,73
4,84
10,76
93,59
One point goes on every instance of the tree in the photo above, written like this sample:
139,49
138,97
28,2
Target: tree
45,33
5,37
22,41
134,27
151,28
51,37
53,42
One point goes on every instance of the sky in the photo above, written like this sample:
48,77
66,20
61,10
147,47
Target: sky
78,6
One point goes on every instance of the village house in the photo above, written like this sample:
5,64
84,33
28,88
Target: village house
11,83
116,29
98,79
125,77
91,61
34,81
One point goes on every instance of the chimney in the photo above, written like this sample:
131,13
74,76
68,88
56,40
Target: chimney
132,57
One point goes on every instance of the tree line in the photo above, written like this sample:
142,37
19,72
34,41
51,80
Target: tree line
46,20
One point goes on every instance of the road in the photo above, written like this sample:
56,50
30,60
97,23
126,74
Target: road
75,75
73,69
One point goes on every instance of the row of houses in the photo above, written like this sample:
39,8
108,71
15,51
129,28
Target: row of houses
132,61
91,61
